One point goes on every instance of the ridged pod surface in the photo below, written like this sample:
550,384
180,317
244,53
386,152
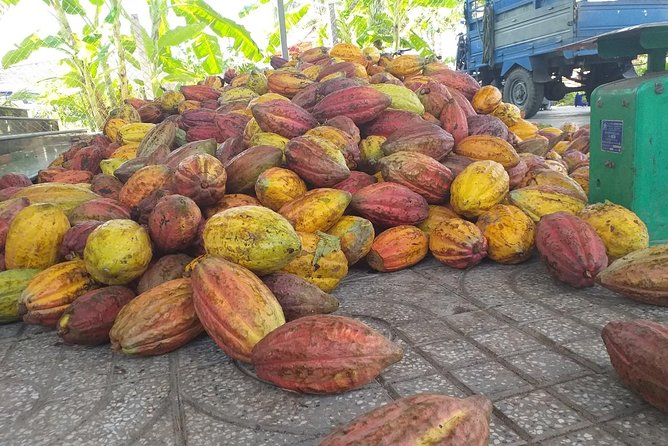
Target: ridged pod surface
550,177
118,252
201,178
406,65
74,241
166,268
99,209
8,210
538,201
157,321
389,121
483,147
571,249
459,81
426,138
361,104
402,98
173,223
244,169
299,298
283,117
418,172
638,350
341,140
12,284
51,291
106,186
486,99
419,420
230,201
320,261
398,248
88,320
316,210
509,232
481,185
355,182
323,354
458,243
356,234
437,214
621,229
390,204
145,181
236,309
640,275
276,187
34,237
252,236
318,164
205,146
65,196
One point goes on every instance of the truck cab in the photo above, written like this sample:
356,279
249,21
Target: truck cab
517,45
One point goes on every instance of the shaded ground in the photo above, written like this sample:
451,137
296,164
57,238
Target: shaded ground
558,115
531,345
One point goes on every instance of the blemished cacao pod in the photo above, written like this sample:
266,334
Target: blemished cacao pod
486,99
230,201
276,187
252,236
283,118
74,241
173,223
236,309
65,196
14,180
426,138
483,147
390,204
437,214
201,178
142,183
398,248
571,249
356,234
88,320
100,209
166,268
323,354
12,284
457,80
389,121
638,351
419,419
157,321
640,275
621,229
401,97
34,237
341,140
205,146
481,185
316,210
244,169
317,163
117,252
418,172
320,261
106,186
458,243
538,201
51,291
199,92
8,210
299,298
509,232
361,104
550,177
355,182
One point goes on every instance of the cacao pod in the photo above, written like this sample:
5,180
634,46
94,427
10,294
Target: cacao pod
390,204
320,261
398,248
316,210
458,243
166,268
509,232
356,234
276,187
478,187
299,298
12,284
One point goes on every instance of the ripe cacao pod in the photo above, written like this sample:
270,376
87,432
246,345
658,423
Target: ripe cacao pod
426,138
538,201
398,248
486,99
390,204
236,309
437,214
509,232
318,164
276,187
316,210
283,118
142,183
420,173
230,201
299,298
75,239
458,243
201,178
323,354
157,321
244,169
356,234
14,180
320,261
106,186
64,196
99,209
8,210
12,284
166,268
173,223
389,121
361,104
481,185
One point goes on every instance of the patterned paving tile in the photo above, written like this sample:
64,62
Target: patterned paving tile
546,366
646,428
592,349
507,341
410,366
453,353
491,379
525,312
474,322
426,331
561,330
427,384
592,436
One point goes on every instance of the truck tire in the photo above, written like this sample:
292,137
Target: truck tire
520,89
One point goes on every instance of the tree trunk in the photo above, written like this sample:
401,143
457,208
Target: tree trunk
120,50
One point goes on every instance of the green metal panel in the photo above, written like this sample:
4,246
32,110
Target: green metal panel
629,149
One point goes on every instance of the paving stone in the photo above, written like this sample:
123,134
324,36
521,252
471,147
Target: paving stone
200,352
569,303
646,428
546,366
410,366
592,349
592,436
561,330
129,369
428,384
600,395
651,312
501,434
446,304
159,433
474,322
453,353
600,316
436,272
540,414
491,379
490,286
81,368
525,312
19,397
533,281
9,332
507,341
429,330
33,360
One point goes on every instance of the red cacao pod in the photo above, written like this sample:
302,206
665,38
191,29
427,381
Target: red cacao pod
173,223
361,104
425,138
100,209
355,182
244,169
299,298
75,238
420,173
201,178
389,121
321,168
390,204
14,180
166,268
283,118
106,186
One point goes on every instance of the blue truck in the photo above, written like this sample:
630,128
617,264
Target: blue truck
520,45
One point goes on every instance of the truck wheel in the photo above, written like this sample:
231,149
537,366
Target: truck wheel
521,90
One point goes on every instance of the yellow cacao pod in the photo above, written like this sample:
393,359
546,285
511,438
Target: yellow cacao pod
402,98
510,234
481,185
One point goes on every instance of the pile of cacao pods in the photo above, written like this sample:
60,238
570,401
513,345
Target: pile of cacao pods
238,204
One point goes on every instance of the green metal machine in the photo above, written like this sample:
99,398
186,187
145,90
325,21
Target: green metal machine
629,130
